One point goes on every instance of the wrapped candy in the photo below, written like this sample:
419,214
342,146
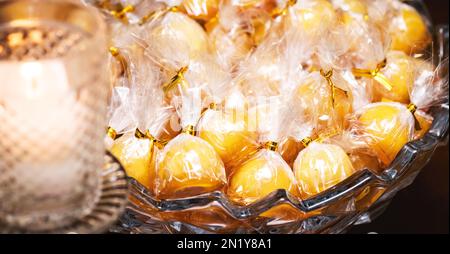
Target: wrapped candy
136,152
131,64
321,163
313,16
121,117
325,94
179,64
391,73
137,148
264,74
318,113
355,39
224,125
188,165
235,32
276,60
388,126
395,75
265,171
261,73
167,38
328,90
173,32
408,30
261,175
320,166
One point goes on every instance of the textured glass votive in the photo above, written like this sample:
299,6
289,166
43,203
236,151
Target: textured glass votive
53,98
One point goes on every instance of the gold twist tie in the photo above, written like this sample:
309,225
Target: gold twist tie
271,145
325,136
306,141
121,14
213,106
281,12
176,80
162,143
115,52
375,74
141,135
190,130
153,14
110,132
153,141
327,75
413,108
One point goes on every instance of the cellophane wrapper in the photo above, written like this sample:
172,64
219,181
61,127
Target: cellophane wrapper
188,165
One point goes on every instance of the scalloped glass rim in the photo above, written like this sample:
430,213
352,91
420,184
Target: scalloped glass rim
346,189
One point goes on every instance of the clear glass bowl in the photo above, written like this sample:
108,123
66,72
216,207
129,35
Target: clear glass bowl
358,199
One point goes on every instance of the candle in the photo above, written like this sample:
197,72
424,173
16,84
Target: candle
52,115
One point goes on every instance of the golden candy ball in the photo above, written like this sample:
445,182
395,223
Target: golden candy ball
264,173
409,31
399,72
316,103
178,29
188,166
388,129
137,158
316,17
321,166
228,135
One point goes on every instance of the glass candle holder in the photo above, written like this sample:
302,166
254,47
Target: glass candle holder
53,99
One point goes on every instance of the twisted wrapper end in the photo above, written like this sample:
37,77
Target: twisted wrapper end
271,145
176,80
374,74
327,75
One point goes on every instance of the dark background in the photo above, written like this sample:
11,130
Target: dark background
423,206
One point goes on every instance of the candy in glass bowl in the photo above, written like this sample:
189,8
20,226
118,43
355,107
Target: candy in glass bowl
234,116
